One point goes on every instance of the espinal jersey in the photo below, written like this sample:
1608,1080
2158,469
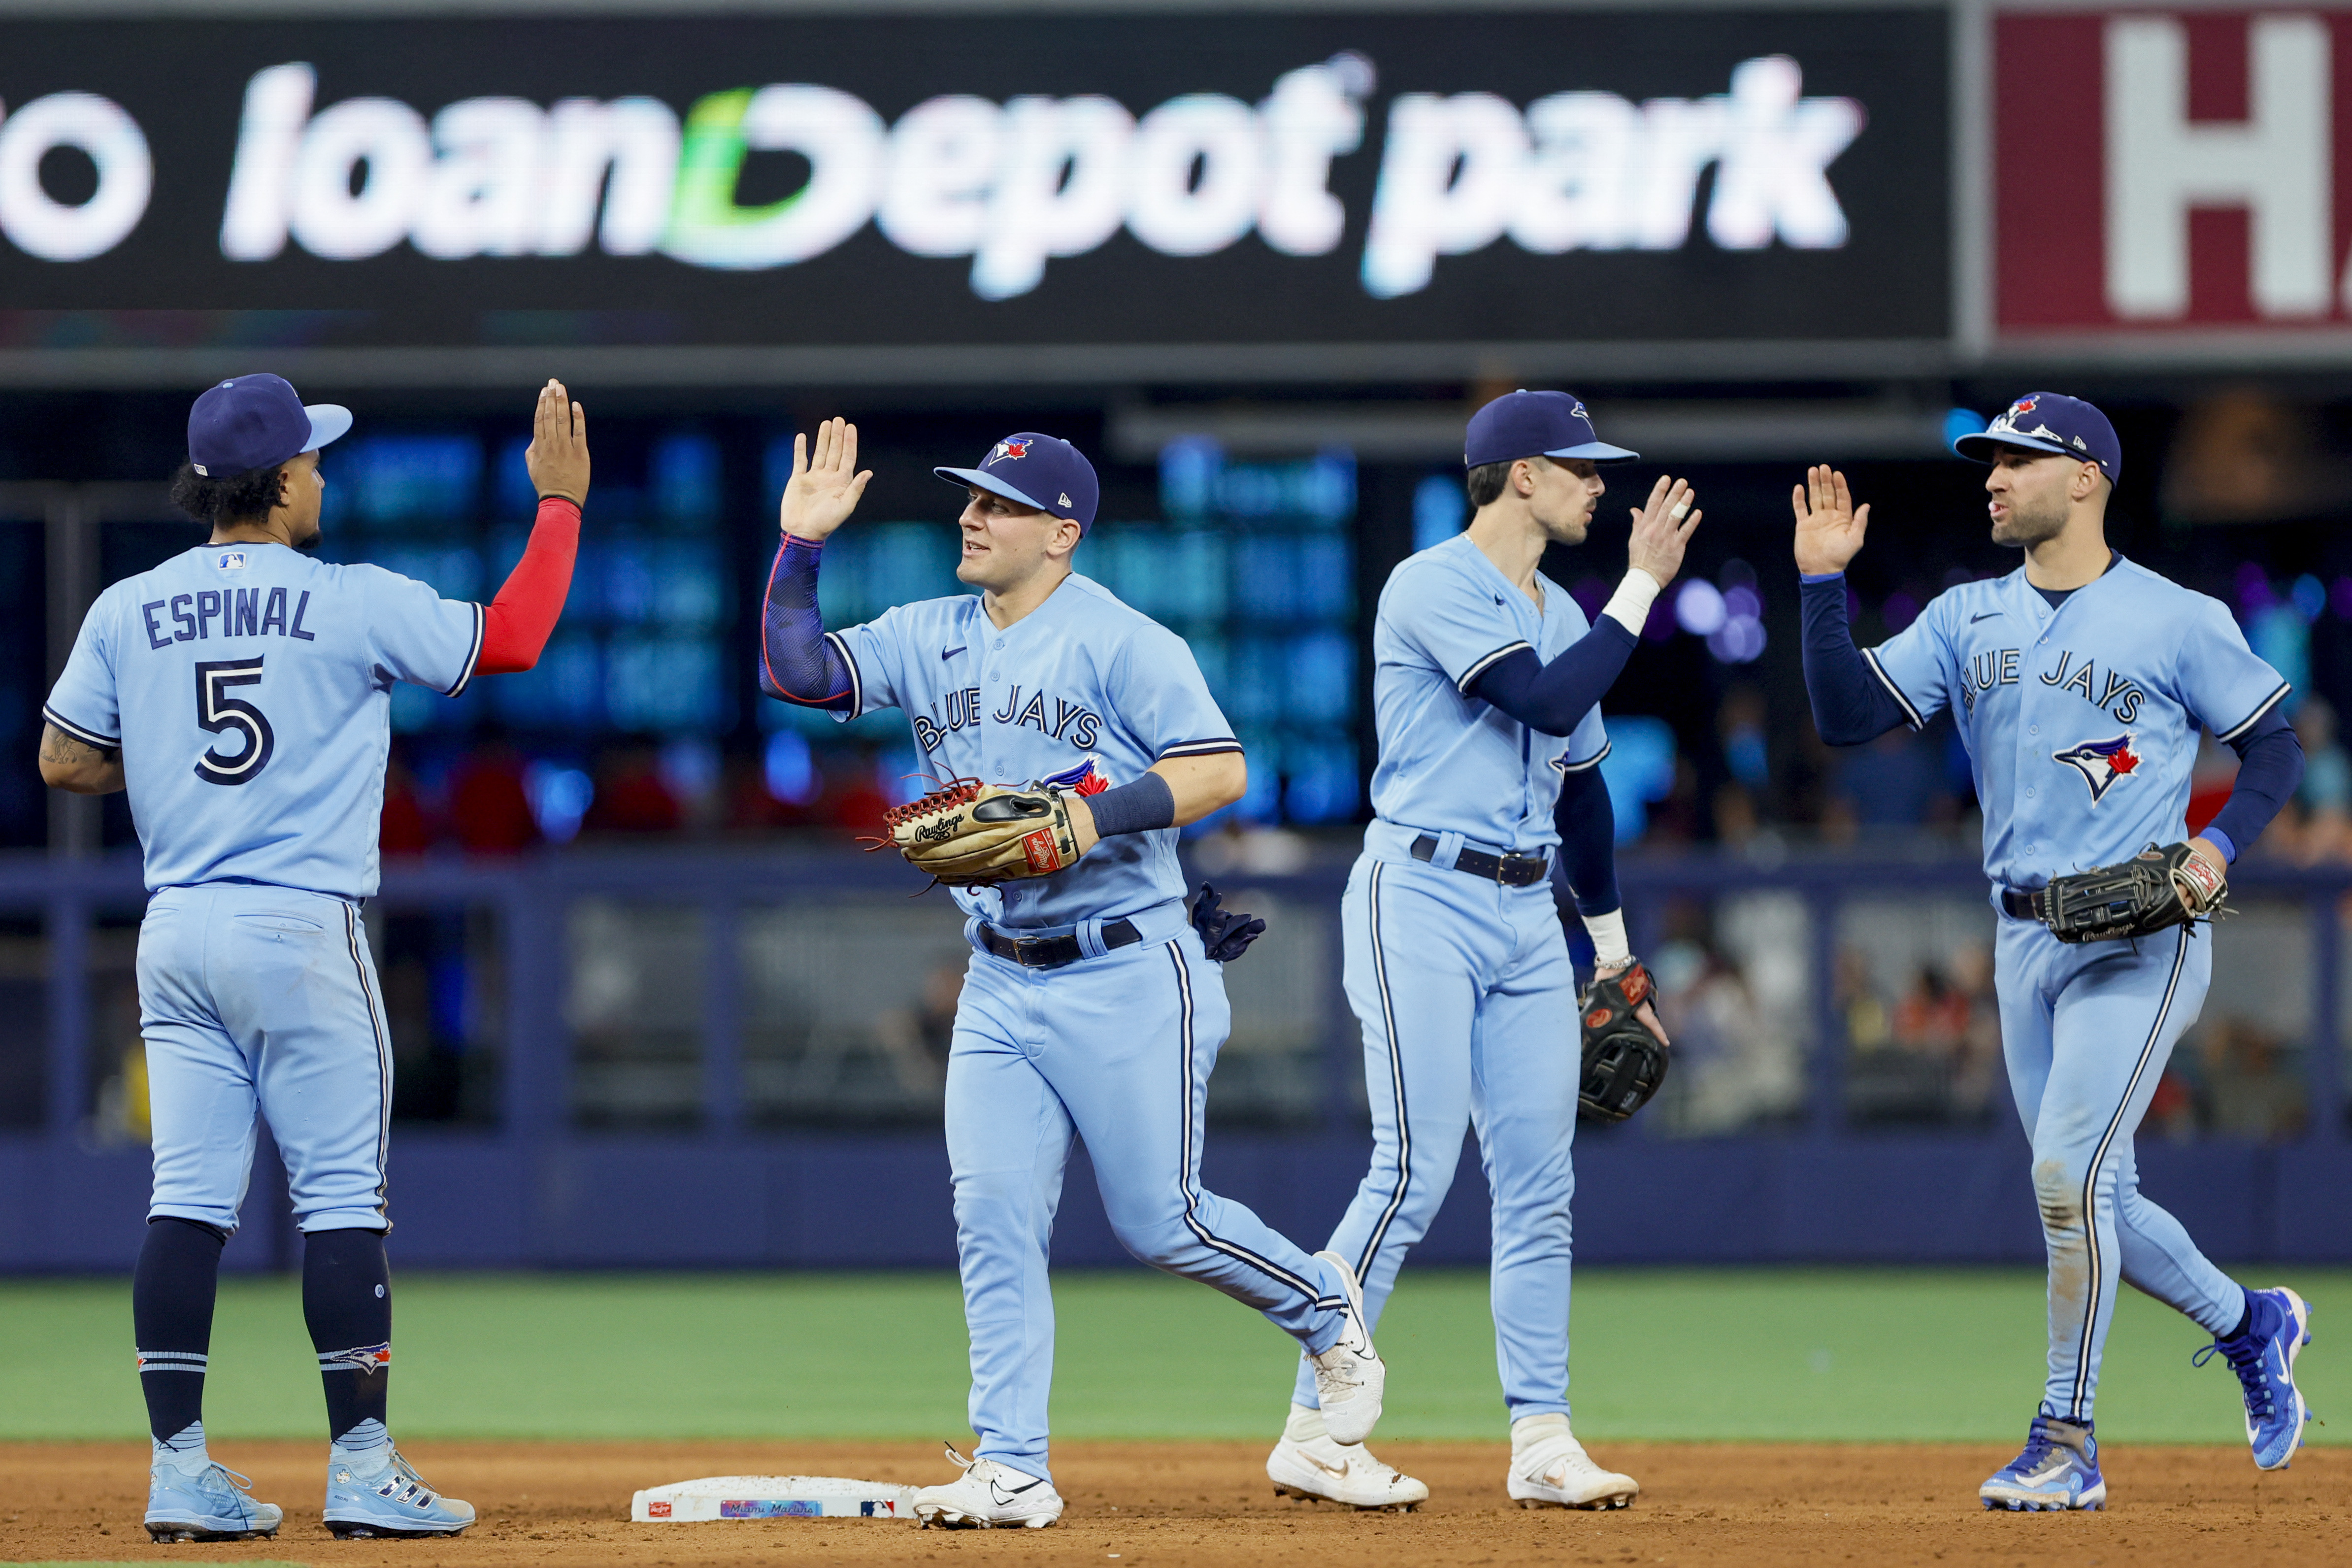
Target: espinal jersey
250,687
1452,762
2081,722
1082,692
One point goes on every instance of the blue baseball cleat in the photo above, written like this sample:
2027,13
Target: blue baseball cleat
2264,1362
207,1503
380,1493
2058,1470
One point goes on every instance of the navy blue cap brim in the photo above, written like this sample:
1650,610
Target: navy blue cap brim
1983,447
1597,452
995,485
329,422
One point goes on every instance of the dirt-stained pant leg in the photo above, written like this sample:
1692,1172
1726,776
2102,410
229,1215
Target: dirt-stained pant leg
2086,1031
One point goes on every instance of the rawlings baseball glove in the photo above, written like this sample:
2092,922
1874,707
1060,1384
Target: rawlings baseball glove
1623,1061
967,833
2154,890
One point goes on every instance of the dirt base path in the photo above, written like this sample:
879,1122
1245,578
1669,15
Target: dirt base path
1158,1504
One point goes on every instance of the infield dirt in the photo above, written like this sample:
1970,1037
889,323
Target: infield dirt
1170,1503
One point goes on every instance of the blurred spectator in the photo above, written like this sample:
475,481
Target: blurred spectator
2210,779
853,802
2250,1088
1740,725
751,805
405,829
631,796
915,1039
1867,1026
489,806
1896,782
2316,827
1734,1068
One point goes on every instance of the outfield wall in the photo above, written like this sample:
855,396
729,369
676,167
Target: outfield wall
636,1088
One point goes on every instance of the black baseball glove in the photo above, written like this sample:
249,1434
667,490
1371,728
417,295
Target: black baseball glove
1225,933
2152,892
1623,1061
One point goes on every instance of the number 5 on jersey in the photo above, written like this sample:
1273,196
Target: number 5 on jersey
220,714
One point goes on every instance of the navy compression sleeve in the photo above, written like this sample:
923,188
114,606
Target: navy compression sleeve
1554,698
797,661
2269,765
1851,705
1588,841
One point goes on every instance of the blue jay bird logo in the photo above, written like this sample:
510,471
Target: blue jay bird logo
2101,762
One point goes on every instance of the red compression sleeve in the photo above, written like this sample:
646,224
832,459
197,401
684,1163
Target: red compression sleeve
517,623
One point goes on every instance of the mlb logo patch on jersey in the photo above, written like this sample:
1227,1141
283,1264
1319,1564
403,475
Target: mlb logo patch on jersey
230,561
2101,762
1087,778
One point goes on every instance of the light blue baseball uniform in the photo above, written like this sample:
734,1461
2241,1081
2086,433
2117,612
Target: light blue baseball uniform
248,687
1463,986
1115,1049
2082,726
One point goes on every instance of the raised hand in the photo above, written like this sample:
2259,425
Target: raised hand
1829,526
557,457
1662,529
825,485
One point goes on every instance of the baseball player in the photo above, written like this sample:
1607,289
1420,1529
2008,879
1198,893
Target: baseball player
1091,1006
2080,682
241,693
1486,690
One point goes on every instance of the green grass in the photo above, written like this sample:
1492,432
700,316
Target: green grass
1761,1354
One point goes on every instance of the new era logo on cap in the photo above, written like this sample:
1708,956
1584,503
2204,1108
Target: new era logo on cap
251,422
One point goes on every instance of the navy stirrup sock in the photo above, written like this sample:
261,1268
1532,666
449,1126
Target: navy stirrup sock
347,1303
172,1296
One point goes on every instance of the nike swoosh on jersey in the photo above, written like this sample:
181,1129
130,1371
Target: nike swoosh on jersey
1985,617
950,653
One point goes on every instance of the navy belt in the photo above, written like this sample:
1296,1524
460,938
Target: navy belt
2025,906
1511,871
1054,951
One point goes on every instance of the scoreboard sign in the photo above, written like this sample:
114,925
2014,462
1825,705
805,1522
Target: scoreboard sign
1318,177
2164,174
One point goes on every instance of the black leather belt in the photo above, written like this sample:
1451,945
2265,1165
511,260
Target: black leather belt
1511,871
1054,951
2021,904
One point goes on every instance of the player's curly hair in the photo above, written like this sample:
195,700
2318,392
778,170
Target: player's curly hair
1488,481
248,497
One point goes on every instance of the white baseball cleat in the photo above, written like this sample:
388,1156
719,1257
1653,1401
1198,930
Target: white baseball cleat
1550,1468
1308,1464
1349,1376
989,1496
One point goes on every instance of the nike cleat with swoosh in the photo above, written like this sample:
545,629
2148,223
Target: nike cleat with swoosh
2058,1470
987,1496
2265,1363
1309,1464
1550,1468
1350,1377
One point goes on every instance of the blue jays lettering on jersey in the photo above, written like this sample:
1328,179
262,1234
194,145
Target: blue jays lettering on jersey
1447,615
2081,722
248,686
1081,689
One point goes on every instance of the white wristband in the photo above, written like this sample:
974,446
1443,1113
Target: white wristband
1630,605
1607,934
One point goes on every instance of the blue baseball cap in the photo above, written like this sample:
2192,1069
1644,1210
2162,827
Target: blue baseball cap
1526,424
1042,471
250,422
2050,422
